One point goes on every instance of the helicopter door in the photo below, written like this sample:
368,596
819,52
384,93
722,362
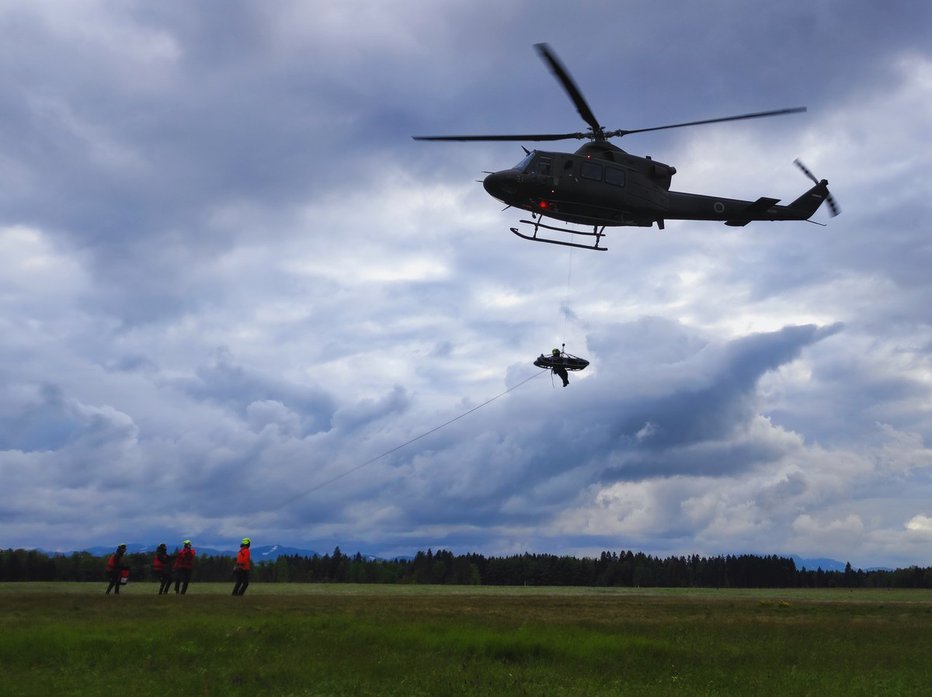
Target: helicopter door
614,176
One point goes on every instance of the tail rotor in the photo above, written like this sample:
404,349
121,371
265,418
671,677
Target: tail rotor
833,207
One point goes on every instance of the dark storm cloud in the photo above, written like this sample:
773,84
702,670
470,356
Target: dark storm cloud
645,65
698,429
240,389
850,395
528,465
707,460
43,423
370,411
720,393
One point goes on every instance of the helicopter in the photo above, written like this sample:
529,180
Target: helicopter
600,185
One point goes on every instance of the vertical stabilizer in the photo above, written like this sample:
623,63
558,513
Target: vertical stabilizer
809,202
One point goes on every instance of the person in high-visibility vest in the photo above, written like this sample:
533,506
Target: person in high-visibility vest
241,570
162,569
184,564
115,569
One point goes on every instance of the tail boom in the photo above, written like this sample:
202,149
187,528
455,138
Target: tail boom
737,212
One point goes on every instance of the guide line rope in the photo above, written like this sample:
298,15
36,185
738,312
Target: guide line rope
328,482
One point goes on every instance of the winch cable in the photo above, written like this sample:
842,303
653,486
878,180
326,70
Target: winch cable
566,298
346,473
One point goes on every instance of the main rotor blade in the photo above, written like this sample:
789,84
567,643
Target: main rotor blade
805,170
757,115
571,89
538,136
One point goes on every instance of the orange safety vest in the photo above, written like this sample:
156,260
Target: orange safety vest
158,564
242,559
185,558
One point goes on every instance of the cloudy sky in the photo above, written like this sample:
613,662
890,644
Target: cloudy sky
229,279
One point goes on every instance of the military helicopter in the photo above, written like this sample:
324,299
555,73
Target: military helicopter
600,185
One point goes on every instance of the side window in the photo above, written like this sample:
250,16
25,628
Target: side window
590,170
614,176
543,166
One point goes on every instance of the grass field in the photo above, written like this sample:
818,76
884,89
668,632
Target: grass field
312,639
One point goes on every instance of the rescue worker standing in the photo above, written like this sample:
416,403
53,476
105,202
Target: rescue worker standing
241,570
184,564
115,568
161,568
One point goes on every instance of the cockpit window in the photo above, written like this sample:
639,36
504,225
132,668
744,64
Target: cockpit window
535,163
523,165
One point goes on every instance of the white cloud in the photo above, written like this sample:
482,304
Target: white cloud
921,525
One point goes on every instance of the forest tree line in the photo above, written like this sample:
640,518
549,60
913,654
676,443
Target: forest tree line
626,568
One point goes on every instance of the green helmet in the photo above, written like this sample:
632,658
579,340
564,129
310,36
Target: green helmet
556,352
187,543
245,541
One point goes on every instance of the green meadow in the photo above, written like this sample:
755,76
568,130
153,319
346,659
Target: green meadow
318,639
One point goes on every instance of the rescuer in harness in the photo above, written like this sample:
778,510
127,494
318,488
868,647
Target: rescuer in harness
241,570
557,366
560,362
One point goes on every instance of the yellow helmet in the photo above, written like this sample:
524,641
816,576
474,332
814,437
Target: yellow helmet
187,542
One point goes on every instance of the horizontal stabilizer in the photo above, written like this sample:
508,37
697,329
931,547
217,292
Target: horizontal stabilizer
751,211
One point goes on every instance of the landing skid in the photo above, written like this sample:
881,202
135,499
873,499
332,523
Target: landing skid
597,232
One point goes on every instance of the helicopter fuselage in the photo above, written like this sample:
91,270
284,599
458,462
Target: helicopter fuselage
602,185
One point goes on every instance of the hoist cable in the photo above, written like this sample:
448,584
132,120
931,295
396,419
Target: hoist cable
566,297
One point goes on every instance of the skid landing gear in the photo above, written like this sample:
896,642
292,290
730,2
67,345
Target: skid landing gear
598,231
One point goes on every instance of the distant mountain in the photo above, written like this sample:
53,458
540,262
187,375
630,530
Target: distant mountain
272,552
831,565
141,548
819,563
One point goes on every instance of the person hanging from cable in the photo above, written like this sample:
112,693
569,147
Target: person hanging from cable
558,367
560,362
